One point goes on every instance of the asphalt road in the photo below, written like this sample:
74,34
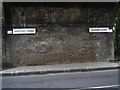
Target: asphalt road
93,79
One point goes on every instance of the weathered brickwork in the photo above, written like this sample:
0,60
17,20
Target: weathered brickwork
62,34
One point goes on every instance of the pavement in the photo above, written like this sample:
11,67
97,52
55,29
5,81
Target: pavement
60,68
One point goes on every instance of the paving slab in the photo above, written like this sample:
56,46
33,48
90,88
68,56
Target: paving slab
60,68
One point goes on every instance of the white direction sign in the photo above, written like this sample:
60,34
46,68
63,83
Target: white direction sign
24,31
100,29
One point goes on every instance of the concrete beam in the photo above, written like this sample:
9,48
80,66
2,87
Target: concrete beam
61,0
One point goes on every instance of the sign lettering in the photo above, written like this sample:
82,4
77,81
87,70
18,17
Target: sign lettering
24,31
100,30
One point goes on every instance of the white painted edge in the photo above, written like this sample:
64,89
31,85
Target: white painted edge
99,87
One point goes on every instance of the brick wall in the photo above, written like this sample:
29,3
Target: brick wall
62,33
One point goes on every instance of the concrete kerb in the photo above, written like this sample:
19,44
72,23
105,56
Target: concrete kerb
41,72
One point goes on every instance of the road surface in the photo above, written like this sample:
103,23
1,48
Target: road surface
92,79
